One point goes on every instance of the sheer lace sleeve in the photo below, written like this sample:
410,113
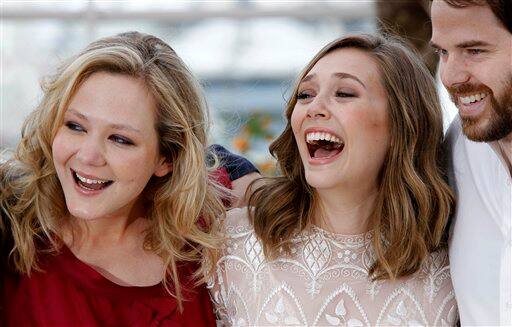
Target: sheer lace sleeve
236,223
436,290
217,298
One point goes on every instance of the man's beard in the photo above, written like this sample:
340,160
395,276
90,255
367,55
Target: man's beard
500,116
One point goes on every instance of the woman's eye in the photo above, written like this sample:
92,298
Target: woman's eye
74,126
121,140
344,95
303,95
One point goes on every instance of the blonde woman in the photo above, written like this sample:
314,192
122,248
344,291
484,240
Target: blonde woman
107,202
352,233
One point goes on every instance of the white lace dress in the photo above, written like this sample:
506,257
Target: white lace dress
323,283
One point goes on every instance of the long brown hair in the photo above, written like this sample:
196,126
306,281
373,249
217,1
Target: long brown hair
32,198
414,201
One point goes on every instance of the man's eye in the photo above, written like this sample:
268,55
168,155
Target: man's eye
74,126
121,140
475,51
440,52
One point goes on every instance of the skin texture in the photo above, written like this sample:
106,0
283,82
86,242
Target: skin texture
355,111
475,52
109,132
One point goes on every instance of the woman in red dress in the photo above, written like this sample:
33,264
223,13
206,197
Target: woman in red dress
108,200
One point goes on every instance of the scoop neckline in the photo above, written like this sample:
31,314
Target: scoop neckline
362,238
89,277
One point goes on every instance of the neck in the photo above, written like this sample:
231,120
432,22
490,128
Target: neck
104,232
506,150
347,211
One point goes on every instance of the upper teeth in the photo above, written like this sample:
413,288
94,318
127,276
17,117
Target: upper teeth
472,98
90,181
317,136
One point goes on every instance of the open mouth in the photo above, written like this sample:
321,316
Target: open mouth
323,145
89,184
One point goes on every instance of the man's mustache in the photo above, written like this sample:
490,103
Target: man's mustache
467,89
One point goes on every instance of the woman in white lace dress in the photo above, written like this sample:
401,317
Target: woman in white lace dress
352,232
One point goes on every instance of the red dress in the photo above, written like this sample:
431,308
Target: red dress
69,292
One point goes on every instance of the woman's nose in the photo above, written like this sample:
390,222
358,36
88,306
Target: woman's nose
90,152
318,109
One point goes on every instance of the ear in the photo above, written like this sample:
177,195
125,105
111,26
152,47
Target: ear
163,167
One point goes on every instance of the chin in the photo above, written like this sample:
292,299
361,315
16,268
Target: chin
321,181
84,213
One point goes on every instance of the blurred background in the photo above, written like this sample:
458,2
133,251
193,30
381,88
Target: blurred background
245,53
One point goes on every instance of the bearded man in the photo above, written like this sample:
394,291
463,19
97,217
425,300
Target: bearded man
474,41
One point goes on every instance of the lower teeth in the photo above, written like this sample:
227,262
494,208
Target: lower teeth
82,185
85,187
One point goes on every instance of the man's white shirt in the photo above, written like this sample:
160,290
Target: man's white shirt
480,239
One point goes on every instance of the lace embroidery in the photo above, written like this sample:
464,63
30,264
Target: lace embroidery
397,313
324,282
275,311
338,316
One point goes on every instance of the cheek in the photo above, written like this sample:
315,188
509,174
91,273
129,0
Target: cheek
371,133
61,148
501,83
374,125
296,120
123,166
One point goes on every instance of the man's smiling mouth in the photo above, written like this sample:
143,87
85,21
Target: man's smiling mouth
472,98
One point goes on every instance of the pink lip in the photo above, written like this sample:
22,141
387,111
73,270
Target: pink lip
322,161
472,109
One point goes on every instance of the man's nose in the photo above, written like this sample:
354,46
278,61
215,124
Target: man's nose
453,71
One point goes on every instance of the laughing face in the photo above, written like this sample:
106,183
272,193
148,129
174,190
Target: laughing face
476,67
106,150
340,121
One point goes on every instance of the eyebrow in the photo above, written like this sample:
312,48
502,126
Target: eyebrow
337,75
464,45
122,127
433,45
473,43
350,76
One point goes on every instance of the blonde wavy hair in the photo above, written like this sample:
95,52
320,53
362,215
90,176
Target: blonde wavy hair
414,201
183,207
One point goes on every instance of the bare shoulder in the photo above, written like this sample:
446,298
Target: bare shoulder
240,186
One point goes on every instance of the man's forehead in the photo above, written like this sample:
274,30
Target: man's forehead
459,26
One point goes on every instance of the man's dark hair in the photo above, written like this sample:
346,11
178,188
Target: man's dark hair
502,9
